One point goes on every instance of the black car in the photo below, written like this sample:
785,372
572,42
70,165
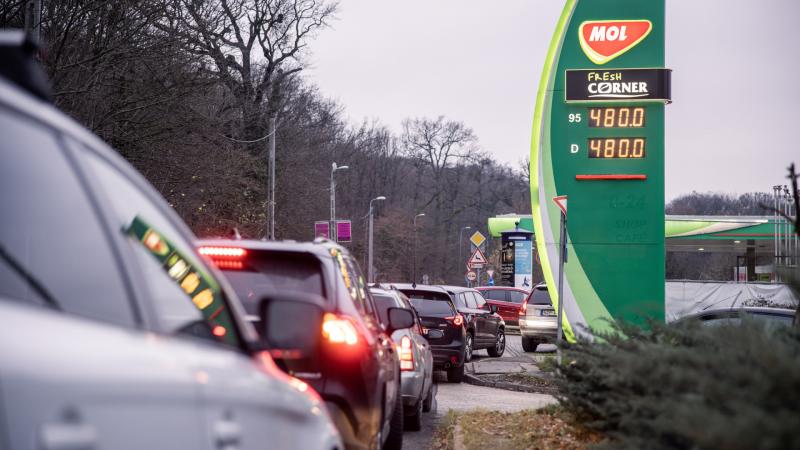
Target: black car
356,369
442,325
485,328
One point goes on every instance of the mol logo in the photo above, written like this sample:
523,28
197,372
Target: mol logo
604,40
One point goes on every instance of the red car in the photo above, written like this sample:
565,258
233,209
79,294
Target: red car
508,300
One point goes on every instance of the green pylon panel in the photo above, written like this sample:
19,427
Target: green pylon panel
598,138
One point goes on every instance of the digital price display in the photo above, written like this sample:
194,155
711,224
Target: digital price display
617,117
617,148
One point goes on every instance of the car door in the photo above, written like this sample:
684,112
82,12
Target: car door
241,406
478,317
491,321
77,370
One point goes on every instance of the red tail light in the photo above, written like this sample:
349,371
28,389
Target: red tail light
222,252
406,354
524,308
457,320
339,330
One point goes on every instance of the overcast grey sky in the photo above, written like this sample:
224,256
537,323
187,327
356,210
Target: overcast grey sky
733,126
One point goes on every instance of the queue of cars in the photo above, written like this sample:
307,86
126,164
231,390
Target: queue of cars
130,333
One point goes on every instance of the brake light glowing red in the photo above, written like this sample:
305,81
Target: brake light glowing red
457,320
223,252
339,330
228,265
406,354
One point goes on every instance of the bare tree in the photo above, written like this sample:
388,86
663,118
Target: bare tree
250,46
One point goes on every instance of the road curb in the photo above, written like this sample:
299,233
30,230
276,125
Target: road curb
474,380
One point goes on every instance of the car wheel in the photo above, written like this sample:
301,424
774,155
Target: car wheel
468,347
427,405
413,422
529,344
499,345
395,439
455,374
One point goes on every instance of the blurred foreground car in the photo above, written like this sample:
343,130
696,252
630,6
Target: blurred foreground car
416,360
538,321
508,301
442,326
778,317
485,328
354,365
116,334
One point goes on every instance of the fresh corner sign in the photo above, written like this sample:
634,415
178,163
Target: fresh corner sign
598,137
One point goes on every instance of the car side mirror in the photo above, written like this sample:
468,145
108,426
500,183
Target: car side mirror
400,318
492,308
290,324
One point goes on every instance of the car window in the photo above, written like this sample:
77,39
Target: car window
480,301
48,226
540,296
185,296
495,294
264,273
459,301
469,299
383,303
427,307
516,296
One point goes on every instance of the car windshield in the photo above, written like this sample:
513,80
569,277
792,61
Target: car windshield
540,296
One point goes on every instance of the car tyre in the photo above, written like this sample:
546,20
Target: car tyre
455,374
395,439
529,344
427,405
468,347
499,345
413,422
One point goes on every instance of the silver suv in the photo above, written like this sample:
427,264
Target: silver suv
116,334
537,319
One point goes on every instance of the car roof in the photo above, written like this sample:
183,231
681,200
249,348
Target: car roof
457,289
501,288
745,309
321,248
416,287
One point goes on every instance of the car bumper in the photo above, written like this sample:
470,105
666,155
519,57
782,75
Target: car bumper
446,356
538,327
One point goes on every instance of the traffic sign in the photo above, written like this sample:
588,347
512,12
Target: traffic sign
477,260
477,239
472,276
561,201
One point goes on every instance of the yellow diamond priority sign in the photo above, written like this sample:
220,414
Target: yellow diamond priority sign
477,238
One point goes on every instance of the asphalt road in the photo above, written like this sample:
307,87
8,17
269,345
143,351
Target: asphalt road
464,397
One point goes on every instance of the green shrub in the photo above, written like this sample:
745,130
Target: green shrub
692,387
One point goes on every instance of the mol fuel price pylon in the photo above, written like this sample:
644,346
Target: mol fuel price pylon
598,138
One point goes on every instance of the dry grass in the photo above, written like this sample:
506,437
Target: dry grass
546,429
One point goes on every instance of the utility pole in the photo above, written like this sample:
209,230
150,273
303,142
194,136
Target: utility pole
370,271
33,19
332,229
414,257
271,188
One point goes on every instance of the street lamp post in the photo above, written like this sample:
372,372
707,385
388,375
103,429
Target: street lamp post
414,257
370,275
332,230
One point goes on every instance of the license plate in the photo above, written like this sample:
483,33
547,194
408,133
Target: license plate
548,313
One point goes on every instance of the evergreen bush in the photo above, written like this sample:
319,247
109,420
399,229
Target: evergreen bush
688,386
